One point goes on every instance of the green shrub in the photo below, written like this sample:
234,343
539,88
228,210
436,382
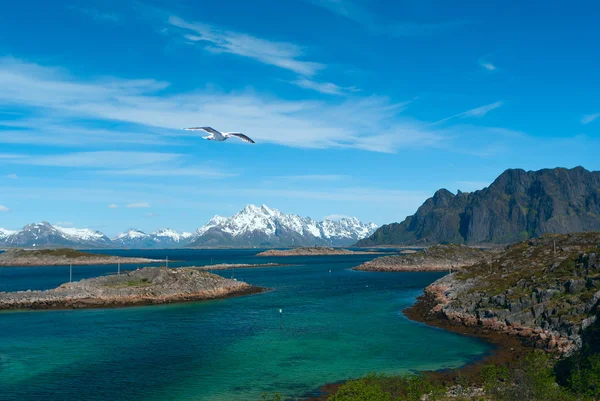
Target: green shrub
373,387
365,389
585,379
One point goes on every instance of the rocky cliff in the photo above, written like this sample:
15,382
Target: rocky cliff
518,205
545,294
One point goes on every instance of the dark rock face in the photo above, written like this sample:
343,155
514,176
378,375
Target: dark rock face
517,205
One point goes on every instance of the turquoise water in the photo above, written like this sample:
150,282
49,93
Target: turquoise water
336,325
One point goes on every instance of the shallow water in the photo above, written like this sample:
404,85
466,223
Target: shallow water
335,325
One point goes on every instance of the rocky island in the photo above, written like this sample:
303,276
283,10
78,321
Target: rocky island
62,257
314,251
544,291
227,266
435,258
150,285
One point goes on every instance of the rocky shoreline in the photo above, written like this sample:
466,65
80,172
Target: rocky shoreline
315,251
146,286
63,257
542,293
435,258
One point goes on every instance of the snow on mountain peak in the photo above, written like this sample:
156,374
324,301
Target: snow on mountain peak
84,234
131,234
270,223
5,233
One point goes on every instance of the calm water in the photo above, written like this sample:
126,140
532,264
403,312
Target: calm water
336,325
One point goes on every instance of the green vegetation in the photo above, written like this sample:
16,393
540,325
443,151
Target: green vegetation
411,387
534,379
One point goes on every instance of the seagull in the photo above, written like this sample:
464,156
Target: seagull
219,136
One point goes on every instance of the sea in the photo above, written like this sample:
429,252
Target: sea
318,323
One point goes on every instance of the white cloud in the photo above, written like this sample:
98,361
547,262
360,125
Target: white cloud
279,54
113,206
488,66
4,209
476,112
100,159
589,118
370,123
12,177
138,205
327,88
482,111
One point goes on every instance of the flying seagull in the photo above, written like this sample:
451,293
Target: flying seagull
215,135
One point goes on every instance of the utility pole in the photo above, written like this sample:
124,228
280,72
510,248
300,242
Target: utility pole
70,272
118,266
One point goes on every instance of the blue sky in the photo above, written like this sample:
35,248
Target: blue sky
360,108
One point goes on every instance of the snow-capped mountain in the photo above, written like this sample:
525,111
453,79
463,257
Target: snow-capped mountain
253,226
45,234
164,238
263,226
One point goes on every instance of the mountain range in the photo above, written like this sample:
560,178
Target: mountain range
518,205
252,227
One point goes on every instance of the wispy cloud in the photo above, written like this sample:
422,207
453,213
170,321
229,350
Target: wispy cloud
352,10
370,123
12,177
327,88
138,205
487,66
589,118
100,159
4,209
476,112
113,206
97,15
216,40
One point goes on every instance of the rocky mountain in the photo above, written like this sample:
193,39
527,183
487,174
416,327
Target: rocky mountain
165,238
46,235
517,205
262,226
253,226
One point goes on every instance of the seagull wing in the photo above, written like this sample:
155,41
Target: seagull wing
241,136
206,129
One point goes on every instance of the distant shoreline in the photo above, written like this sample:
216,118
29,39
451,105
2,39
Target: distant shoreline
315,251
62,257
